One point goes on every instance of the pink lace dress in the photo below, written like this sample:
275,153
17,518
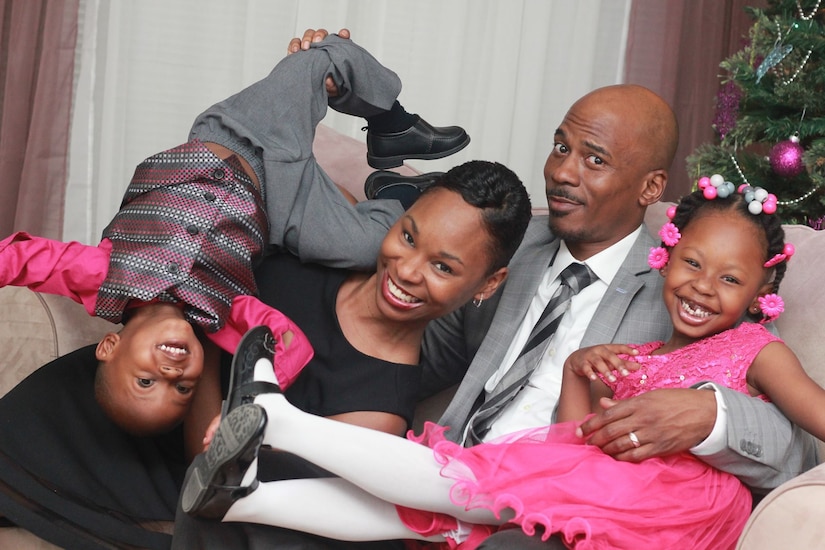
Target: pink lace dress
553,481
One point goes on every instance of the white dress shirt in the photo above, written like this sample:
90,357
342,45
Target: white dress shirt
534,405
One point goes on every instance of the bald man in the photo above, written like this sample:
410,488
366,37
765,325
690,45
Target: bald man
609,162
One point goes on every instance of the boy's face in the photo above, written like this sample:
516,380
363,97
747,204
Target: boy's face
150,370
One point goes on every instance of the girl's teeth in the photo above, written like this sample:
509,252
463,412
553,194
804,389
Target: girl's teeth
696,312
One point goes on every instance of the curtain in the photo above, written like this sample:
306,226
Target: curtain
674,48
504,70
37,51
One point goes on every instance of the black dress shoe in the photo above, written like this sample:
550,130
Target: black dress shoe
213,480
256,344
392,185
421,141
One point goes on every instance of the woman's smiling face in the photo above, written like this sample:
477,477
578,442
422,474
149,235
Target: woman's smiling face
435,259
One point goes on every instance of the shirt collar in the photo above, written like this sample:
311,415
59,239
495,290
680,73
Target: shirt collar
604,264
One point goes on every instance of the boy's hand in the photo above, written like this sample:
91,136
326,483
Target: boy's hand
602,359
310,36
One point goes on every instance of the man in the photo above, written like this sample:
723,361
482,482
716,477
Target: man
609,162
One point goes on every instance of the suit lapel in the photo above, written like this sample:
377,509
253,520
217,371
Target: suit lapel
625,285
517,295
526,270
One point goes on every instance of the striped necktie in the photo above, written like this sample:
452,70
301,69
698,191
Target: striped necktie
574,278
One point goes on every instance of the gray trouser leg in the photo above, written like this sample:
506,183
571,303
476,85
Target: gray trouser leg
272,124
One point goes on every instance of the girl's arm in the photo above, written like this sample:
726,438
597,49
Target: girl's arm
582,387
574,401
777,373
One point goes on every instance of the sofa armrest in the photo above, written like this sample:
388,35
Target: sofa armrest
790,516
37,328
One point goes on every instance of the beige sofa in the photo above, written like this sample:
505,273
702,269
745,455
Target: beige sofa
37,328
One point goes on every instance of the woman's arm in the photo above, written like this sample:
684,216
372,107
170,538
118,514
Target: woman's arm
292,348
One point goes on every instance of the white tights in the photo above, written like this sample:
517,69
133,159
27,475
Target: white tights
377,471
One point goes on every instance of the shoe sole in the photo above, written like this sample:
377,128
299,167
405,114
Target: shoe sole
383,163
238,439
371,188
251,334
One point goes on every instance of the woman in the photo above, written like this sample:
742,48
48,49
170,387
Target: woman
451,247
110,489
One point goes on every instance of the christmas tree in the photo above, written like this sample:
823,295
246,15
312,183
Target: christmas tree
770,111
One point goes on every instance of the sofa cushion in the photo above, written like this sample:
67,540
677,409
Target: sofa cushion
38,328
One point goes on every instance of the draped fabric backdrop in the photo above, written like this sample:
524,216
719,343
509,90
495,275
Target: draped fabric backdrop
37,50
505,70
678,55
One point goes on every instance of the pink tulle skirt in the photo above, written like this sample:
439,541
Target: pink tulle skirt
554,483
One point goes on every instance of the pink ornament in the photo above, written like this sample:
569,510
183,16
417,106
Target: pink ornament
671,212
704,181
710,192
786,158
769,207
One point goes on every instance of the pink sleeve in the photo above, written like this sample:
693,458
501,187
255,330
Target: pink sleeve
248,312
71,269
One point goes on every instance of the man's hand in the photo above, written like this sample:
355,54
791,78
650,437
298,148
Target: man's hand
666,422
316,35
310,36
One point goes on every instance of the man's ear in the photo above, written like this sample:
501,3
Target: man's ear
655,183
106,347
491,285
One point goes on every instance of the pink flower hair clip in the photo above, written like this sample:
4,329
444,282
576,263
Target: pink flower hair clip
786,254
670,234
772,306
659,256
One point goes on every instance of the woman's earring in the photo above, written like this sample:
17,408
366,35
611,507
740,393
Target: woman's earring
478,301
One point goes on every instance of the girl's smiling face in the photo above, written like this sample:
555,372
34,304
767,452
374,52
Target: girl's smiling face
715,274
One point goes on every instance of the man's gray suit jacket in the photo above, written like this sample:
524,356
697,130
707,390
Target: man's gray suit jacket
466,348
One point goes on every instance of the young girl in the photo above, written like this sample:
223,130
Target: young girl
723,258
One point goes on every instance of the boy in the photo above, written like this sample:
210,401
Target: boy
193,222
